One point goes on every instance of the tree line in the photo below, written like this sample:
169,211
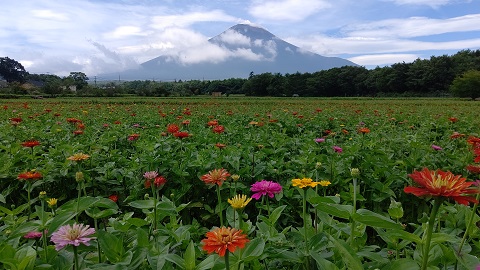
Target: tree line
437,76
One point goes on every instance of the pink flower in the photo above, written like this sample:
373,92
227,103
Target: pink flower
150,175
265,187
337,149
436,147
319,140
33,235
75,234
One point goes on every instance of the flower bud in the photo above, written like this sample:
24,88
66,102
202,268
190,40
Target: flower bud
318,165
355,172
235,177
146,196
79,176
42,195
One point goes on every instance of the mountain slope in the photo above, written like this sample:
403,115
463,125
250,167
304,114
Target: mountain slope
235,53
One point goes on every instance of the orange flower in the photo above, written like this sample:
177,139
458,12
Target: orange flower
77,132
441,184
172,128
30,144
30,176
473,141
364,130
181,134
456,135
473,168
222,239
212,123
78,157
453,119
113,197
220,145
218,129
215,177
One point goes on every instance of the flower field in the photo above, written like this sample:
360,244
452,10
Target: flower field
239,183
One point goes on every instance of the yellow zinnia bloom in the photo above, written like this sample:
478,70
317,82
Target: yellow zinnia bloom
52,202
239,201
79,157
304,182
324,183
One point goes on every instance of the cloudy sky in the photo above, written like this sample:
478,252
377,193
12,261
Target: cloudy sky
101,36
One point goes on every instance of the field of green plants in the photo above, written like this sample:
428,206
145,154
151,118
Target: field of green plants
239,183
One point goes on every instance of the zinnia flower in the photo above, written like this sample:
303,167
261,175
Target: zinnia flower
319,140
218,129
133,137
31,143
78,157
157,182
436,147
181,134
215,177
304,182
456,135
113,197
30,175
172,128
222,239
441,184
75,234
150,175
239,201
220,145
364,130
324,183
265,187
473,168
52,202
337,149
34,235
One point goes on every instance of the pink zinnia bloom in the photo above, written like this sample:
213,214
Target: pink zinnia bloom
265,187
150,175
319,140
337,149
33,235
436,147
75,234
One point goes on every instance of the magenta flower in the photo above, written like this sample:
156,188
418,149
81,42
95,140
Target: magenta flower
150,175
319,140
265,187
436,147
337,149
33,235
75,234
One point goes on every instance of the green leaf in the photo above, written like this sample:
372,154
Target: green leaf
26,258
96,213
372,219
253,250
395,210
179,261
208,263
337,210
137,222
142,204
346,252
402,264
111,245
322,263
276,214
189,257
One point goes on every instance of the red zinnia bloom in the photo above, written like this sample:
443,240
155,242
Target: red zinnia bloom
133,137
29,176
78,132
220,145
172,128
31,144
186,122
453,119
181,134
157,182
222,239
73,120
473,168
113,197
441,184
364,130
218,129
215,177
477,155
212,123
473,141
80,125
16,119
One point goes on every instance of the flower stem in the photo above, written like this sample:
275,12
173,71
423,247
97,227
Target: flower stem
95,222
29,187
307,264
75,257
78,201
465,234
152,185
220,211
352,222
227,262
428,237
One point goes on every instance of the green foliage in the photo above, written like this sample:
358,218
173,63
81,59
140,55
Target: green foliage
467,85
11,70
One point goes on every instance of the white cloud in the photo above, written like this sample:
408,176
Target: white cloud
234,38
289,10
187,19
125,32
49,15
431,3
382,59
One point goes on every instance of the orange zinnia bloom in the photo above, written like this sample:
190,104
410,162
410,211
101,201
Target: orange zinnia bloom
215,177
172,128
473,141
473,168
78,157
30,144
181,134
456,135
222,239
364,130
32,175
442,184
218,129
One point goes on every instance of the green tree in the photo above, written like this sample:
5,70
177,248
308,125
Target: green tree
467,85
80,79
11,70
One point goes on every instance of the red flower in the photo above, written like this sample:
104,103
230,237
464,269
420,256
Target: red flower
133,137
212,123
453,119
157,182
172,128
113,197
473,168
181,134
222,239
78,132
456,135
16,119
218,129
73,120
473,141
31,144
220,145
364,130
30,176
215,177
441,184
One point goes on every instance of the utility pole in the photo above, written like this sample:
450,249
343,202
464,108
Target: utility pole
95,80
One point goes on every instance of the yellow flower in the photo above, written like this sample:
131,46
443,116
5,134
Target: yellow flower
324,183
42,195
79,157
239,201
52,202
304,182
235,177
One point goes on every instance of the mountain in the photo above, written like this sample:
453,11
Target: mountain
235,53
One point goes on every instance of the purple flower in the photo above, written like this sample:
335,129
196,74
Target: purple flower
319,140
75,234
33,235
436,147
337,149
150,175
265,187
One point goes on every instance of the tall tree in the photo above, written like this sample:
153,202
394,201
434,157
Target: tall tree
80,79
11,70
467,85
